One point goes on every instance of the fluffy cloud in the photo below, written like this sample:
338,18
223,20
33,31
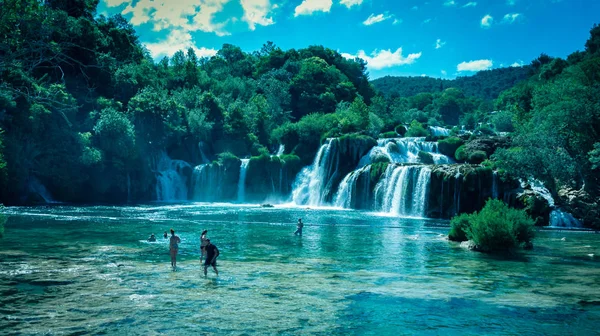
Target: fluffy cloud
511,18
384,58
487,20
350,3
475,65
517,64
115,3
450,3
307,7
177,40
470,4
397,21
256,12
189,15
444,73
511,2
373,19
439,43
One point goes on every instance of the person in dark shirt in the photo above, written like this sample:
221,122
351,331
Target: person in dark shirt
212,252
300,225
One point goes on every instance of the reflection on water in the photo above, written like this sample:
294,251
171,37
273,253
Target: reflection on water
89,269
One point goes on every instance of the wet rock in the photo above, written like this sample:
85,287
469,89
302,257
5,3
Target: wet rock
581,205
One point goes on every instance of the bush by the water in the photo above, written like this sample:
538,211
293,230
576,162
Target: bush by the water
388,135
425,157
401,130
449,145
416,130
496,227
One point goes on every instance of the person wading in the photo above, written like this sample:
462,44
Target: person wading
212,252
174,248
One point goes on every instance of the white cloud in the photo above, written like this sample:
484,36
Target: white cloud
397,21
517,64
115,3
307,7
470,4
487,20
373,19
189,15
444,73
512,18
511,2
426,21
256,12
439,43
384,58
450,3
177,40
475,65
415,7
350,3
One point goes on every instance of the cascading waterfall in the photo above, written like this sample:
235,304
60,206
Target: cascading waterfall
206,184
495,193
241,195
171,184
313,182
37,187
558,217
457,190
280,150
348,195
403,190
403,150
203,156
439,131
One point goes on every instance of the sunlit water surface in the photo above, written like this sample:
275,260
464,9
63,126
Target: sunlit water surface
89,270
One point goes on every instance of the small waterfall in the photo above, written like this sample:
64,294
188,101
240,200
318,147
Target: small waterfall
495,185
403,150
205,184
171,184
203,156
37,187
280,150
241,195
439,131
403,190
457,191
559,218
348,195
313,183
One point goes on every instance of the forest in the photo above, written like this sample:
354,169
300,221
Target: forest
86,111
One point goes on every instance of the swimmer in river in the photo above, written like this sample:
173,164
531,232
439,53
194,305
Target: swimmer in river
152,238
300,225
174,248
203,243
212,252
165,235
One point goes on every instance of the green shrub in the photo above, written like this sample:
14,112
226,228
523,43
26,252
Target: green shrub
227,159
426,158
377,170
416,130
388,135
458,227
460,154
401,130
449,145
496,227
477,156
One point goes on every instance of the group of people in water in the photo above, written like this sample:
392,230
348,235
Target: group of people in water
208,251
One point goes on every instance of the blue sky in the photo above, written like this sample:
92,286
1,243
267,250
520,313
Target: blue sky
437,38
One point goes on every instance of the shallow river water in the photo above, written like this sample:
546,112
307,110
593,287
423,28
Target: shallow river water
89,270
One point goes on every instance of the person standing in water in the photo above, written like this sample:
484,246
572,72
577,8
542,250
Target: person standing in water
165,235
174,248
203,243
212,252
300,225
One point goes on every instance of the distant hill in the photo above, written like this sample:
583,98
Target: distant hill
485,84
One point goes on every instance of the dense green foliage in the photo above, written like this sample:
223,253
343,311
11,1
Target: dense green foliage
495,227
449,145
485,84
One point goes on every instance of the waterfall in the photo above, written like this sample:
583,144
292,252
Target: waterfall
348,195
439,131
403,190
241,195
280,150
203,156
559,218
495,193
457,189
314,182
37,187
171,184
403,150
206,184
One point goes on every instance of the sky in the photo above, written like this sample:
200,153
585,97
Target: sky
437,38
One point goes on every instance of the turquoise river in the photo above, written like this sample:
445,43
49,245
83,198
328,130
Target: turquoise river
89,271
